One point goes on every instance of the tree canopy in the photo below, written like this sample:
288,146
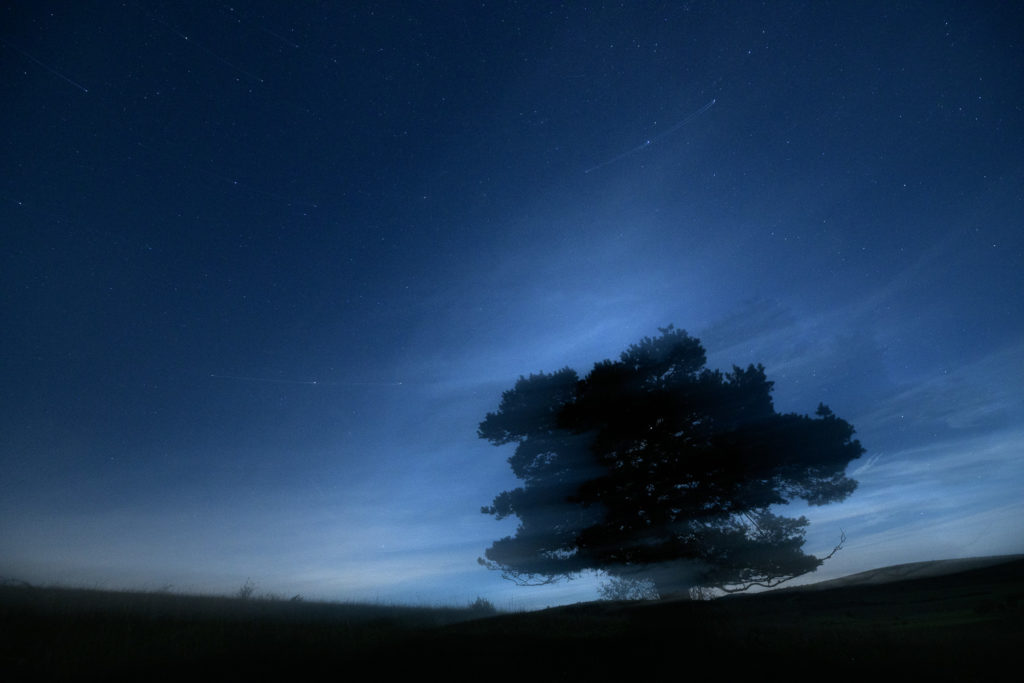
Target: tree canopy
654,467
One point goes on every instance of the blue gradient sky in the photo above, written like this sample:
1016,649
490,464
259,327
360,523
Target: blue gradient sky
206,208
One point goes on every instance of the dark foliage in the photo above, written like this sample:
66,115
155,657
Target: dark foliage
655,467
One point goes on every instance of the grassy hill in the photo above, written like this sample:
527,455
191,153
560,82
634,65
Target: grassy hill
957,623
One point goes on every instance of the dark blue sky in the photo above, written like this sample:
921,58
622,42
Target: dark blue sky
267,265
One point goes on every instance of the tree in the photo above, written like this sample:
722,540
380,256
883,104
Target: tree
654,468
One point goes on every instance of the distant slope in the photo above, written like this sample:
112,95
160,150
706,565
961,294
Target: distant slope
906,572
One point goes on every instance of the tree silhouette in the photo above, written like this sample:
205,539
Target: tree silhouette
655,468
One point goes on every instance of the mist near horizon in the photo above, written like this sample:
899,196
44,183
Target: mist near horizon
268,267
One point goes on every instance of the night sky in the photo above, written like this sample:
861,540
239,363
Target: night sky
267,265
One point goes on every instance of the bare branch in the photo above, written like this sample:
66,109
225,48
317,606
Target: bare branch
842,540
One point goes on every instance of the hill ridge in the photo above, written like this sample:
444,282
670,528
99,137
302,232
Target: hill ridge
907,571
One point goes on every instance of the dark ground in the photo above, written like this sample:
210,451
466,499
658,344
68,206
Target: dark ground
963,626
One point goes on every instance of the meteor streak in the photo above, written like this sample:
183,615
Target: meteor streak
272,380
276,380
46,66
647,143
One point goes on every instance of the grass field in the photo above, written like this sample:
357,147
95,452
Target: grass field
963,626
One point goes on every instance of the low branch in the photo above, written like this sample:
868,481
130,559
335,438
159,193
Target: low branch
530,580
523,578
773,581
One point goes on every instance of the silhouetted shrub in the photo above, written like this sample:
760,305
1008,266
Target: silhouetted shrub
483,606
618,588
246,591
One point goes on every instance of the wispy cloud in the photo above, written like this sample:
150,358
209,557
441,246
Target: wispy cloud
980,394
955,498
